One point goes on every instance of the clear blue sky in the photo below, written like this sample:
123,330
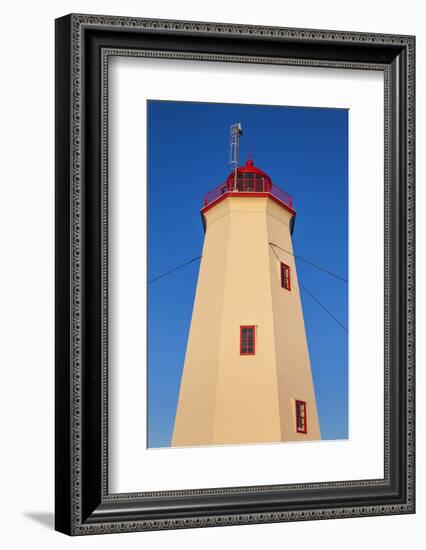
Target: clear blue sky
305,151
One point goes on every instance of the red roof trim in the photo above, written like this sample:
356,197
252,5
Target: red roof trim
249,194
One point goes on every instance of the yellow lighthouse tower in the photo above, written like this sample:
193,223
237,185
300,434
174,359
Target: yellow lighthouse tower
247,375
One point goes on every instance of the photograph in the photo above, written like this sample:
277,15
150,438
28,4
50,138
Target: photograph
247,274
234,271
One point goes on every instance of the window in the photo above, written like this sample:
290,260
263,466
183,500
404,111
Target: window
250,182
301,426
285,276
247,340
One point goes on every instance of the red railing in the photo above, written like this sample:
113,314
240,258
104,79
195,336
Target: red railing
215,193
223,189
281,195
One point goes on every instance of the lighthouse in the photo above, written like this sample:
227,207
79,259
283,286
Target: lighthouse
247,375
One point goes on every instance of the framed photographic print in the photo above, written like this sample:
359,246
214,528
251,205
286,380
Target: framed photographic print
234,274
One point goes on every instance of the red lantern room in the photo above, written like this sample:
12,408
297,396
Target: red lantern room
248,181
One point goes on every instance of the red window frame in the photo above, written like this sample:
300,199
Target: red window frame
301,417
285,276
247,340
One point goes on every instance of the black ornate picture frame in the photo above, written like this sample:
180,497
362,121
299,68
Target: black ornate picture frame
84,43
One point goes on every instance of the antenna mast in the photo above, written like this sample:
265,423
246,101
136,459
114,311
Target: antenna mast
234,144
